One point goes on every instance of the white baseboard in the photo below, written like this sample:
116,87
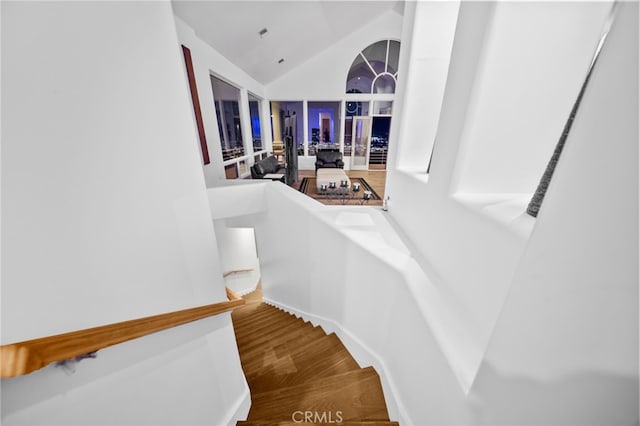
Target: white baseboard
362,354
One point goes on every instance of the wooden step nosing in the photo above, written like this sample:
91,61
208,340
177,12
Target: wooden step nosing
265,328
252,318
247,317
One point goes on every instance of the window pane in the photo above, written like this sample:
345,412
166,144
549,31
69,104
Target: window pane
226,98
394,56
379,142
232,127
324,125
360,77
382,107
356,108
376,54
384,83
286,116
380,58
231,171
256,125
218,105
348,135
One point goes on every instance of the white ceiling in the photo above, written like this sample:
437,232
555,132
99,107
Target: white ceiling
296,30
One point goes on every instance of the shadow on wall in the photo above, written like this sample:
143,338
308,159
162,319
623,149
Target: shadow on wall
123,364
589,398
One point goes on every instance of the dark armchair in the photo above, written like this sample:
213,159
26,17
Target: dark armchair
329,159
266,166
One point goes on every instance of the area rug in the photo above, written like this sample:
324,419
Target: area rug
308,187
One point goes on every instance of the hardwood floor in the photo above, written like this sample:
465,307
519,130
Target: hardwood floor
297,374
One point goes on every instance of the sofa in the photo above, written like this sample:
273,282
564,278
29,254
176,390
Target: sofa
266,166
329,159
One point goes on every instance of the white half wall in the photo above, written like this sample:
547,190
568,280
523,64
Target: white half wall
105,217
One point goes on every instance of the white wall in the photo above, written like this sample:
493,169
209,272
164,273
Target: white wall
238,253
324,76
487,234
106,218
425,55
569,328
553,301
484,315
207,61
533,61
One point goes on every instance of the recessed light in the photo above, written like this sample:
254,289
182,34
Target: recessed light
281,60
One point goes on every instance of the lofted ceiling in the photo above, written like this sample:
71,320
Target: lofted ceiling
296,30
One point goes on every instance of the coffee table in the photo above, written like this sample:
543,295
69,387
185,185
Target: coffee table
329,175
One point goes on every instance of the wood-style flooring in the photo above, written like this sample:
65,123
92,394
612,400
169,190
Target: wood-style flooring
298,374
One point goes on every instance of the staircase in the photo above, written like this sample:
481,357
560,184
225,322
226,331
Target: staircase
297,374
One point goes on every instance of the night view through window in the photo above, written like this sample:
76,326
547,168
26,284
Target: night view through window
379,140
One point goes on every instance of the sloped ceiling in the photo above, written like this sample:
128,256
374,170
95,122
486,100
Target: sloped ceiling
296,30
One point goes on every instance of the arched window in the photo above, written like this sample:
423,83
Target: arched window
375,69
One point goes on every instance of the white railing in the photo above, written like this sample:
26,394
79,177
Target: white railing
378,155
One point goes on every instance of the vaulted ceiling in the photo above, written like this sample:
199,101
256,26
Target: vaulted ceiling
296,30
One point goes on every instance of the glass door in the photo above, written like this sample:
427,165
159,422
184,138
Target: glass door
361,135
379,143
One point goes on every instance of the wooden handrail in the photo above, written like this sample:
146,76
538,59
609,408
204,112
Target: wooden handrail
232,295
24,357
235,271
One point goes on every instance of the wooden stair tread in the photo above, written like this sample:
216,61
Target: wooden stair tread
356,394
261,333
292,366
258,318
267,324
289,346
276,336
296,340
252,359
248,316
321,347
324,357
293,423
